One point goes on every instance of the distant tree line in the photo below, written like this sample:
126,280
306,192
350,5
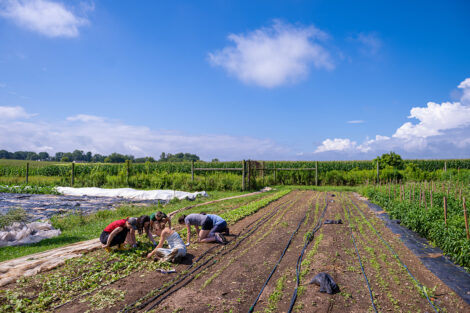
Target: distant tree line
80,156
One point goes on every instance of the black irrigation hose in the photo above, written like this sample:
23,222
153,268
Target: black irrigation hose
360,262
279,261
299,260
262,220
398,258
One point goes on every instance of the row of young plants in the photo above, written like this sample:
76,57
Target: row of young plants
415,209
82,277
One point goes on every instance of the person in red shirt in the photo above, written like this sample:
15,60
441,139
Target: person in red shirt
117,232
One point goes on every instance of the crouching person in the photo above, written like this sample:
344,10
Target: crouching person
176,250
119,232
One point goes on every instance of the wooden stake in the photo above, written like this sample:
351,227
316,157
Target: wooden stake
72,181
243,174
431,198
27,171
466,219
316,174
445,210
192,171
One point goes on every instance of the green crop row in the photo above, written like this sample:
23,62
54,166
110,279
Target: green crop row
428,221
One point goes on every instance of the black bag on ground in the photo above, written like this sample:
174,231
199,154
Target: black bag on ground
333,221
326,283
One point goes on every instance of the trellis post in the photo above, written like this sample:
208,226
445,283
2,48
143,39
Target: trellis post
27,171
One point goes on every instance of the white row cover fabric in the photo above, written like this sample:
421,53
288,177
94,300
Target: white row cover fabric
129,193
20,233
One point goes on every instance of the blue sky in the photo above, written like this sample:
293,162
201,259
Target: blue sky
297,80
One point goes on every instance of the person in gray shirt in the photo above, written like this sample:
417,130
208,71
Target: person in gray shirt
195,219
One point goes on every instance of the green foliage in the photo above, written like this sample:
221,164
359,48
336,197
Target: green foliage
14,215
390,159
429,223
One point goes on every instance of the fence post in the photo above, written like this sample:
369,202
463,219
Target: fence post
249,174
243,175
275,171
445,166
316,173
262,173
445,210
377,171
128,171
27,171
192,171
73,174
466,219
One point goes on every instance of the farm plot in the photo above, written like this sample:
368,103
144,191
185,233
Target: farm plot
257,270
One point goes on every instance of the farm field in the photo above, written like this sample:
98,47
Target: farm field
271,233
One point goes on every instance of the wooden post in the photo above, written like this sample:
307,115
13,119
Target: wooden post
243,175
424,199
73,175
27,172
262,173
249,174
466,219
275,172
377,171
316,173
445,166
431,197
192,171
128,171
445,210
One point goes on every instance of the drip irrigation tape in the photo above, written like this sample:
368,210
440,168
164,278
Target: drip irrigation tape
278,262
398,258
299,259
258,223
360,262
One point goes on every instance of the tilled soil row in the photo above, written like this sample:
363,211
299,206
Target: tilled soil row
138,284
394,285
234,282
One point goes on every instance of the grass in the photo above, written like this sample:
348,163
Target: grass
77,228
15,215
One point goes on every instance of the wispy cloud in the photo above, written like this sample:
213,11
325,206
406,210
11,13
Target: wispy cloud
48,18
275,55
369,43
103,135
441,130
355,122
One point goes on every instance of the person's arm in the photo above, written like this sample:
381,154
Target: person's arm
112,235
188,235
160,244
149,234
130,238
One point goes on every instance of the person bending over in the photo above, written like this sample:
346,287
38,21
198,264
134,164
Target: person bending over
118,232
160,219
212,225
176,250
143,224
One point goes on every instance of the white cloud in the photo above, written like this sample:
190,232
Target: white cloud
441,130
273,56
85,118
17,112
337,144
104,136
51,19
355,122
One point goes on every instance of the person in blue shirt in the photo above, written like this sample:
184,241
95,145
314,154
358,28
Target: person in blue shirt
212,227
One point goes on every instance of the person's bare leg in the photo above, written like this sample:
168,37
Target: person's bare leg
203,236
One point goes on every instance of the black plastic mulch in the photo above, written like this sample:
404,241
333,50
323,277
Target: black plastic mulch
440,265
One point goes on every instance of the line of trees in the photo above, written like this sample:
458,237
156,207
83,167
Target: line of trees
81,156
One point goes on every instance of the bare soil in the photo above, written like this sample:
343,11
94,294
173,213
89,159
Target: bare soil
229,278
